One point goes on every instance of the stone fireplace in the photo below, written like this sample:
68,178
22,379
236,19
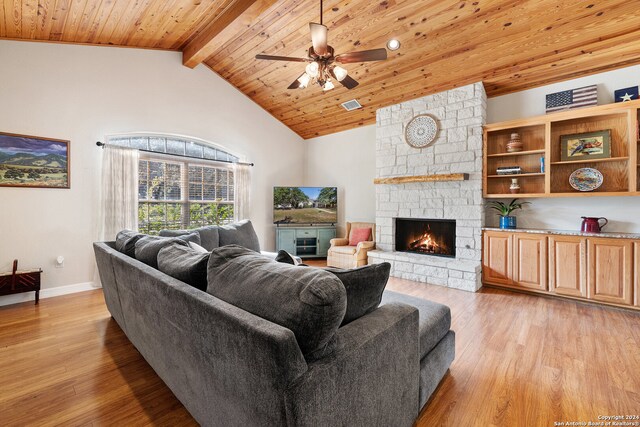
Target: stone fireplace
426,236
460,113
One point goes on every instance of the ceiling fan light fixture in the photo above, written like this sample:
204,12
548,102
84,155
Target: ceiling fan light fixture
312,69
304,80
340,73
328,86
393,44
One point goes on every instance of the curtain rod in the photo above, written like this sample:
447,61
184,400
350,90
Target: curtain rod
102,145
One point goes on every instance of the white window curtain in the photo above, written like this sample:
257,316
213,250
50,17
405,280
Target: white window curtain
242,191
119,199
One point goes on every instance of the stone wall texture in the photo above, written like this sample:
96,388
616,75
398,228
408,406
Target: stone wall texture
461,113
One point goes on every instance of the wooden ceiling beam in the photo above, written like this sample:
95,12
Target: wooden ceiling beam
236,17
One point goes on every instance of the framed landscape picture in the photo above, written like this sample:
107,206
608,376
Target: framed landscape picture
32,161
586,146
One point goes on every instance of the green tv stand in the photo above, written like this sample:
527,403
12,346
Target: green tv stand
305,241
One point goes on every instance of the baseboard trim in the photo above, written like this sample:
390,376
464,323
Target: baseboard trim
48,293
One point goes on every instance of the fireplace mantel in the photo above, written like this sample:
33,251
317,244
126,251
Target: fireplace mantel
423,178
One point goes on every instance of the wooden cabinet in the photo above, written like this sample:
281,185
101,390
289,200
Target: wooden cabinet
610,270
567,265
286,240
600,269
305,242
542,138
498,258
530,261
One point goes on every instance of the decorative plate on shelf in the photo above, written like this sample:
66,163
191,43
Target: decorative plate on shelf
586,179
421,131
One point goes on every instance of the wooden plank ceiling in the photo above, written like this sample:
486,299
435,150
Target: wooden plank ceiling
511,45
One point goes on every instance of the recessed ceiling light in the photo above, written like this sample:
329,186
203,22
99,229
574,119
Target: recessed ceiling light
393,44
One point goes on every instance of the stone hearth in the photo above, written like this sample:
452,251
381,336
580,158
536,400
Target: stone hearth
461,114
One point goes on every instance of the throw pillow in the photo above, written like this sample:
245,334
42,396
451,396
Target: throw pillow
196,247
239,233
310,302
209,237
359,235
364,286
185,264
126,242
147,248
286,257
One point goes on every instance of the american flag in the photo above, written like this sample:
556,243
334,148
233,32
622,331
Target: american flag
574,98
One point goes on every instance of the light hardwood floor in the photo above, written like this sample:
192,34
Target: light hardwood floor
520,360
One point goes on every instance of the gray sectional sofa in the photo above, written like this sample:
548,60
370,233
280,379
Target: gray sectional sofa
230,367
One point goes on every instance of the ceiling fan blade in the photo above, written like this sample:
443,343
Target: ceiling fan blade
319,38
296,83
362,56
282,58
347,81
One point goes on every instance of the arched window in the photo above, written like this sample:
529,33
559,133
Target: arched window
182,183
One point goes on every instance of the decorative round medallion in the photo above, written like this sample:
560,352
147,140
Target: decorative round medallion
421,131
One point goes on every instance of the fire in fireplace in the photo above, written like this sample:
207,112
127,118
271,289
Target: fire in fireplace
426,236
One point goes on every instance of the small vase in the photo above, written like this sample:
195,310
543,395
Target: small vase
507,222
515,143
514,188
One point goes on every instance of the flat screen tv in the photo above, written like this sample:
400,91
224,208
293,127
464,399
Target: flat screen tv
305,205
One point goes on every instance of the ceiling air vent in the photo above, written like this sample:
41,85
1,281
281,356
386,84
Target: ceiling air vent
351,105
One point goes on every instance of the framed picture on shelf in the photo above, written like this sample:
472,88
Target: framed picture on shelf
33,161
586,146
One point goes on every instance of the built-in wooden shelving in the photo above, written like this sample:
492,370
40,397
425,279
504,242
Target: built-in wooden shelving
516,175
541,138
519,153
611,159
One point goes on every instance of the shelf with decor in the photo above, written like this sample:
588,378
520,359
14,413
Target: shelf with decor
594,149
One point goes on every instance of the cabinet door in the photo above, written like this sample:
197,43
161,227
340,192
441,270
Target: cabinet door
287,240
567,265
610,270
497,258
530,261
636,272
324,237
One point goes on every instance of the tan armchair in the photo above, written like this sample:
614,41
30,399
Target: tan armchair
342,255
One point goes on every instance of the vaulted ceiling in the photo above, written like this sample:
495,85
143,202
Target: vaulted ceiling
511,45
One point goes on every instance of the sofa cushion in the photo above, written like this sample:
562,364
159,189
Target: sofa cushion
359,235
185,264
209,236
126,242
349,250
273,255
364,286
285,257
239,233
310,302
147,247
196,247
434,323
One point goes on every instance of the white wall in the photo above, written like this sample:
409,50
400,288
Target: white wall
565,213
346,160
528,103
82,93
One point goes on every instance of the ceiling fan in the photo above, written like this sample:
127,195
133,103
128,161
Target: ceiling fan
321,67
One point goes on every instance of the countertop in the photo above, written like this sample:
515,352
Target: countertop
612,235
